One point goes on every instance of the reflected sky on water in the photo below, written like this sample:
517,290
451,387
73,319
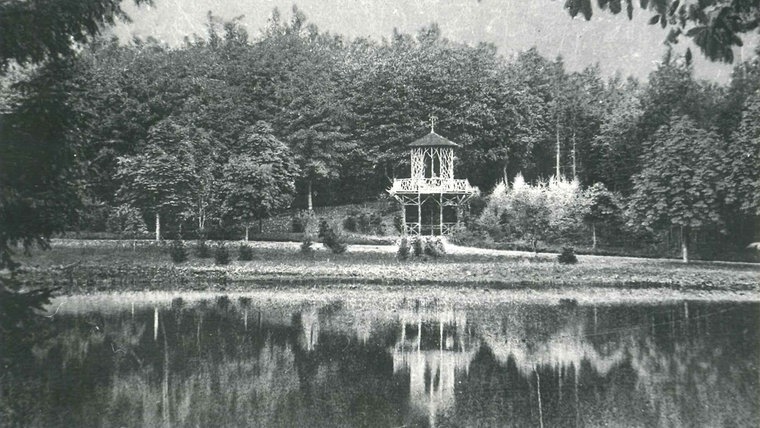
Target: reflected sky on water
231,361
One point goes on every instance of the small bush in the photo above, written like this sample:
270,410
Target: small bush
426,246
376,224
202,250
477,204
398,222
404,249
299,223
418,245
567,257
306,244
332,239
324,226
434,248
221,254
350,223
366,222
177,251
245,253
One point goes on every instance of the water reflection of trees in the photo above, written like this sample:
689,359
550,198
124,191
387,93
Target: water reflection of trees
223,362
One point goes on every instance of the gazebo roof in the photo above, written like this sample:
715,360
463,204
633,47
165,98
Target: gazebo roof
433,139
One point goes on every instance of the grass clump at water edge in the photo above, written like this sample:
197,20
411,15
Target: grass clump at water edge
177,251
221,254
567,256
245,253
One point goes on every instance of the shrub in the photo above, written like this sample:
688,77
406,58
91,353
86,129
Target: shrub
398,222
324,226
366,222
306,244
299,223
403,249
534,213
376,224
177,251
427,246
470,236
418,245
202,250
477,204
350,223
221,254
567,257
434,247
245,253
125,220
332,239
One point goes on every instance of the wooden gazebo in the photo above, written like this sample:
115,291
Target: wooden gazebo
431,199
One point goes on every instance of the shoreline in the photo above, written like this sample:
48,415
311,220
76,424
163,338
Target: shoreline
85,269
391,298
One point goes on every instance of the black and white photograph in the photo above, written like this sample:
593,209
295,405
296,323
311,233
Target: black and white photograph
366,213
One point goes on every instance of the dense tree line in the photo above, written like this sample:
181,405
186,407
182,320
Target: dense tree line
226,130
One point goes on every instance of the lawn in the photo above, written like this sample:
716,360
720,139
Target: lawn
85,266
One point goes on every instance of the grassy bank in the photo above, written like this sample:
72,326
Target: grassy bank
89,266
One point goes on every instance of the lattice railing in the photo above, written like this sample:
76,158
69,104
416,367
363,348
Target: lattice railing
431,185
414,229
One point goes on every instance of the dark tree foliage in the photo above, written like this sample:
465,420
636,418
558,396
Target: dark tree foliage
32,32
681,182
340,117
37,197
260,182
743,178
19,321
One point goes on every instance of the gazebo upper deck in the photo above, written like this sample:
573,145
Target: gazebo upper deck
432,162
432,185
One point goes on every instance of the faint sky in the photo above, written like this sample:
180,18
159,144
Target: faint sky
617,44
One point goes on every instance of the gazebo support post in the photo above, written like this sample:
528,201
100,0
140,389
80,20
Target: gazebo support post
440,214
403,218
419,214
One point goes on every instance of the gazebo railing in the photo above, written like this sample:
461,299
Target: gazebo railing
431,185
445,229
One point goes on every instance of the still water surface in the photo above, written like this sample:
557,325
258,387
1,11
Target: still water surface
230,361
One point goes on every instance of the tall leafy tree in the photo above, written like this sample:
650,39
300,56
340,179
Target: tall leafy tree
603,208
35,137
260,182
743,178
157,182
585,111
613,156
38,191
680,183
536,136
313,118
35,32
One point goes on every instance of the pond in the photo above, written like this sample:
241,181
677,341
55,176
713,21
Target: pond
234,360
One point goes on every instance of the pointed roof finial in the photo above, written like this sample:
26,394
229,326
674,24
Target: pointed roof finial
433,120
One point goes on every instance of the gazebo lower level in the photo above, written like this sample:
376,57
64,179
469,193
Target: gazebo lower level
431,206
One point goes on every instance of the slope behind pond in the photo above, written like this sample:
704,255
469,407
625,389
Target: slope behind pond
84,266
